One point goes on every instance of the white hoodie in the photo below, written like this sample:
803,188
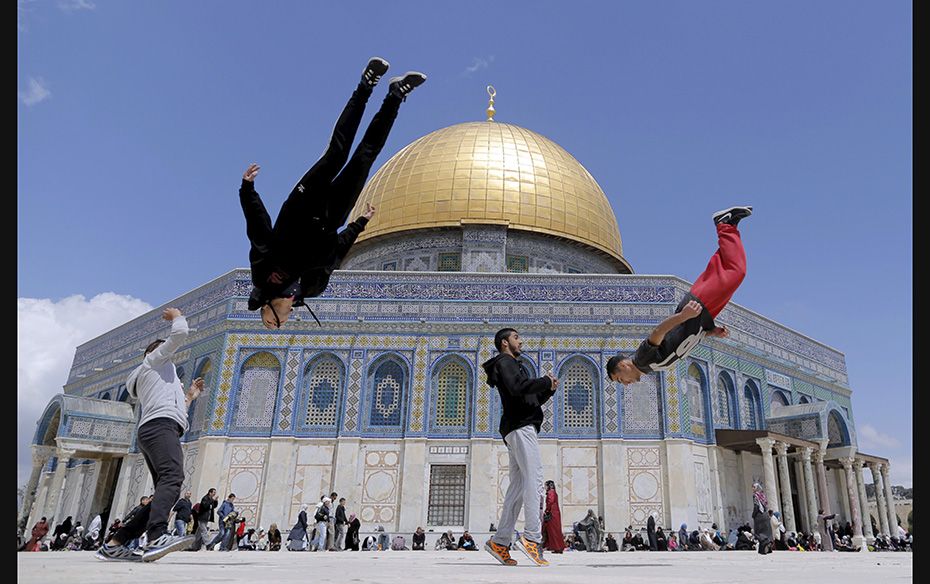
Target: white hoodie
155,382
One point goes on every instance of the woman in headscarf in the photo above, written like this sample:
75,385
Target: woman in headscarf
761,524
553,539
683,536
297,538
706,541
352,533
39,530
661,540
651,531
61,534
732,537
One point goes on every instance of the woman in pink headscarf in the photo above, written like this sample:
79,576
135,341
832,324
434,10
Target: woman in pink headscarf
761,524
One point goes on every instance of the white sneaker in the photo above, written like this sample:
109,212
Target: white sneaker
165,545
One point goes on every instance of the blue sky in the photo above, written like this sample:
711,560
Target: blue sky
136,120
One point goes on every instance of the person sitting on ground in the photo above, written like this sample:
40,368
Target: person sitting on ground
399,544
628,540
707,542
661,540
745,541
732,537
467,543
261,541
611,543
384,539
672,542
274,538
694,541
570,542
370,544
249,540
717,537
683,537
446,541
419,539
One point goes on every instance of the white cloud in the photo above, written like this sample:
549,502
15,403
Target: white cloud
75,5
480,63
37,92
902,471
48,333
870,438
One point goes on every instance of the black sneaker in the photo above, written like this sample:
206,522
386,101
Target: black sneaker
732,215
375,68
402,86
117,553
165,545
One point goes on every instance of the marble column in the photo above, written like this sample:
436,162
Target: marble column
768,470
40,457
822,481
854,506
889,500
53,503
809,487
804,514
787,506
876,468
863,502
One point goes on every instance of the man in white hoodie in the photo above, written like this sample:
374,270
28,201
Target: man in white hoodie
162,422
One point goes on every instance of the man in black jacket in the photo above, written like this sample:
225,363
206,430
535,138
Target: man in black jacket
522,399
294,259
205,516
341,522
182,513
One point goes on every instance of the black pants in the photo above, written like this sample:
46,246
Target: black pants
160,443
324,193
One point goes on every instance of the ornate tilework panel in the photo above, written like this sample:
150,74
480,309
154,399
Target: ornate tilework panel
258,386
289,395
450,391
807,428
102,431
694,386
723,397
611,421
673,406
644,470
246,479
517,264
578,384
578,481
322,390
750,408
312,478
386,385
641,406
450,262
197,416
353,395
777,399
420,356
380,487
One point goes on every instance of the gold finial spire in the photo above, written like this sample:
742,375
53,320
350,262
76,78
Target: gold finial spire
491,112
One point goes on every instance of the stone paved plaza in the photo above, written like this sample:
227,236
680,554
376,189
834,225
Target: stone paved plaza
472,568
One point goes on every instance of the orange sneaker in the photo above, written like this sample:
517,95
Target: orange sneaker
532,550
500,552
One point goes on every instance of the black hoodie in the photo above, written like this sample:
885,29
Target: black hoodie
522,398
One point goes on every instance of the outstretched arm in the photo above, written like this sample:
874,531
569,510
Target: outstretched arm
690,310
257,220
348,235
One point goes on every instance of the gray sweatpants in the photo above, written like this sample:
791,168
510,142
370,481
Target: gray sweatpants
526,487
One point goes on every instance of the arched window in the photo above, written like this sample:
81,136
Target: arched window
258,386
198,408
122,393
837,432
323,381
450,390
779,400
694,385
105,395
386,393
750,407
578,384
804,399
723,402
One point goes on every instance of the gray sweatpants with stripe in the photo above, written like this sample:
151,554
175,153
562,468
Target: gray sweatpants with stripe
526,488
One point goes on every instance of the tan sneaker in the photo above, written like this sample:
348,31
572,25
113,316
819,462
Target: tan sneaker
532,550
500,552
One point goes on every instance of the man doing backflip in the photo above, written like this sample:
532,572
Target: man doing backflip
522,416
294,259
679,334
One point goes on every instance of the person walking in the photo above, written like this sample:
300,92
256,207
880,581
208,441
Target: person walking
183,513
552,521
297,538
341,521
322,520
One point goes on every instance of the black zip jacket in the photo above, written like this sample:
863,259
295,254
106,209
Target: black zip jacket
300,263
183,510
522,398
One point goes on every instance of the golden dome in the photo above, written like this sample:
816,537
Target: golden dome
490,173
